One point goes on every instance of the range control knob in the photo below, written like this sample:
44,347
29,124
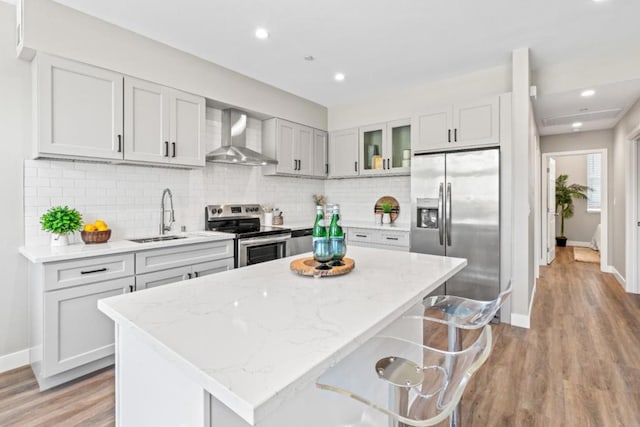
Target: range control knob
219,211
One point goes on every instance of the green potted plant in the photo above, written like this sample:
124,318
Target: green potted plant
387,207
565,193
61,221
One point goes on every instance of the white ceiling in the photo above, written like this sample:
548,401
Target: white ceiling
611,101
380,45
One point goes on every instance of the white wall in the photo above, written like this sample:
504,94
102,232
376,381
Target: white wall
581,226
629,122
15,89
59,30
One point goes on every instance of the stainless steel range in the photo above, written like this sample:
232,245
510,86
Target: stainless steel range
253,242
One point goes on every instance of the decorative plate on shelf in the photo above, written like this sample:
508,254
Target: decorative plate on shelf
395,206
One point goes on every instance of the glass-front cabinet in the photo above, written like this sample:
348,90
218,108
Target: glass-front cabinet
386,148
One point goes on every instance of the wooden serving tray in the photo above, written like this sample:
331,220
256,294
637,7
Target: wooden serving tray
307,267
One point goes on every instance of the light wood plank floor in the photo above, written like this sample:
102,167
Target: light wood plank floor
579,365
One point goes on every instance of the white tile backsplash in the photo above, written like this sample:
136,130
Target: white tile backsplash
357,196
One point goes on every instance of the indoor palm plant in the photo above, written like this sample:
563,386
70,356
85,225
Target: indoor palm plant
61,221
565,193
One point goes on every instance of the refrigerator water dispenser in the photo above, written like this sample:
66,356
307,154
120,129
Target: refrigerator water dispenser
427,213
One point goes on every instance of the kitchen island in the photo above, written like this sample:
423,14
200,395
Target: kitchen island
245,347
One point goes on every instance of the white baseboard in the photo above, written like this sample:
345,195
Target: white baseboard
524,320
611,269
14,360
580,244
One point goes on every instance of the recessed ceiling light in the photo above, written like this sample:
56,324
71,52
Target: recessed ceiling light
262,34
587,93
576,125
339,77
599,1
309,58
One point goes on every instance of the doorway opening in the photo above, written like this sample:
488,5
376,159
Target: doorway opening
589,226
632,184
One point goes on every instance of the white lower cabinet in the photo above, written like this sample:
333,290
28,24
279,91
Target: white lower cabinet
397,240
75,331
69,336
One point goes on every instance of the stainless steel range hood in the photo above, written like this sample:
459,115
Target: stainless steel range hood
234,141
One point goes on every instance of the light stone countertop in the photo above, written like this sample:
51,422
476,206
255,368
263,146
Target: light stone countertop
254,336
47,253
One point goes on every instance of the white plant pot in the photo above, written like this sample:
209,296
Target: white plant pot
386,218
59,239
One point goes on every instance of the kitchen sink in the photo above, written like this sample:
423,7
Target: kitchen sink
156,239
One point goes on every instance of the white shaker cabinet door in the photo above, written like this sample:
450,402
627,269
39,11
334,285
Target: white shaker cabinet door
211,267
343,153
304,150
477,123
165,277
320,164
75,331
79,110
285,147
434,130
146,121
186,124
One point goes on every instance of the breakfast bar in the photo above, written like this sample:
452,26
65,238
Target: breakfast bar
245,347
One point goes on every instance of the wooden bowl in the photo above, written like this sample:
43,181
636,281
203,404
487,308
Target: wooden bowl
95,236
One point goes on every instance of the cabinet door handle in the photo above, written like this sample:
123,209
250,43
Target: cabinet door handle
130,288
391,238
455,135
188,275
173,148
326,168
195,274
119,143
361,235
355,166
449,135
389,164
166,148
99,270
299,165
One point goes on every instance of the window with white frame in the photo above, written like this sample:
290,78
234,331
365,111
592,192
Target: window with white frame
594,178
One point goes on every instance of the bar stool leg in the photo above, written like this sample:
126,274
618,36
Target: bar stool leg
454,336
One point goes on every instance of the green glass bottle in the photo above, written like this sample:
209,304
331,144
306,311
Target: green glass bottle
319,227
336,236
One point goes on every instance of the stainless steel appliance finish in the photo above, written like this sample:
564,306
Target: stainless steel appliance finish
301,241
456,212
234,141
253,243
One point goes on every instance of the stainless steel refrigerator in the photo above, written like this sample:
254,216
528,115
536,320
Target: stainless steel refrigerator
455,211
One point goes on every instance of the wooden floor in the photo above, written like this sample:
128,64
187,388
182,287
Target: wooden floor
578,365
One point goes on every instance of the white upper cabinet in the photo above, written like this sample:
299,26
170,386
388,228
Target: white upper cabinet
79,110
162,125
320,165
373,140
459,126
88,112
343,153
293,145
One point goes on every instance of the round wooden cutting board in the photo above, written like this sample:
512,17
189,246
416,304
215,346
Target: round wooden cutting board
307,267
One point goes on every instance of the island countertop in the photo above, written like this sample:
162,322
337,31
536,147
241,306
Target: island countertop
253,336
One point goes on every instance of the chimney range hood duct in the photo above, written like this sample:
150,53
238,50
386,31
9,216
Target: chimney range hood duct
234,141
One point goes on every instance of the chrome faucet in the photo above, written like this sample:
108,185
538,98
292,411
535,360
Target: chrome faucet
172,218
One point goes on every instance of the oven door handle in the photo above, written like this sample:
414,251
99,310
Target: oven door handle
263,240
